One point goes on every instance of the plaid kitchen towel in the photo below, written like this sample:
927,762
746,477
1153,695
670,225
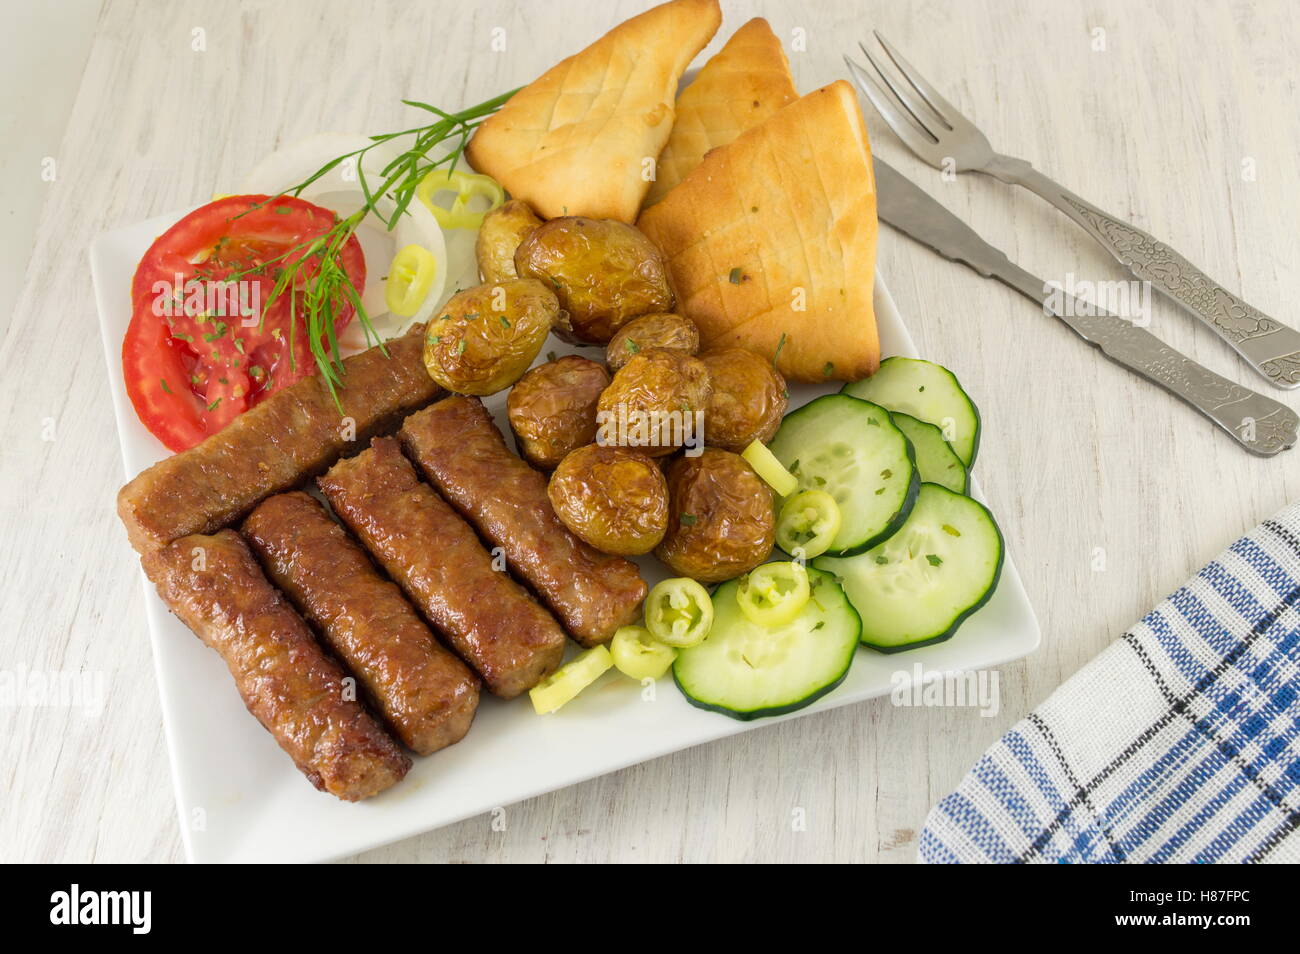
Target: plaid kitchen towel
1176,744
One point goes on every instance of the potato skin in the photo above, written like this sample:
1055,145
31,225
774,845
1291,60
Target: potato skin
604,272
657,381
660,330
720,518
748,400
614,498
552,408
486,337
502,230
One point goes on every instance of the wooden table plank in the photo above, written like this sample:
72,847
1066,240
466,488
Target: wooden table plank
1110,493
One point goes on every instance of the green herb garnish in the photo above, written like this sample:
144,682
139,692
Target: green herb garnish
311,272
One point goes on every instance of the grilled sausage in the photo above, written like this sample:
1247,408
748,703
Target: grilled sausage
463,454
297,692
425,694
292,435
438,560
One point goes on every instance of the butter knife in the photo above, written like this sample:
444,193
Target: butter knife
1260,424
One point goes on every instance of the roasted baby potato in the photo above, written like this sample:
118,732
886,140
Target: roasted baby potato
552,409
720,519
614,498
656,402
748,399
484,338
652,331
604,272
500,234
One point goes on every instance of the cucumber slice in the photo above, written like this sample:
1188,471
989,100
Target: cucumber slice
749,671
929,392
851,450
921,584
936,461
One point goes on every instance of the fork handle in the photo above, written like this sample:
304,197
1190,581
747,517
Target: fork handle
1267,345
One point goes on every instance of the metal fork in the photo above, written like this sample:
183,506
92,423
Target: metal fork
937,132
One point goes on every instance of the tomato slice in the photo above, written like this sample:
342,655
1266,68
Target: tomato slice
202,348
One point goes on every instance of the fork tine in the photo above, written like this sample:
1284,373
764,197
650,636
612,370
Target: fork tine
919,110
945,110
915,136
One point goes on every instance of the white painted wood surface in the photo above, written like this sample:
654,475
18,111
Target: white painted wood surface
1110,493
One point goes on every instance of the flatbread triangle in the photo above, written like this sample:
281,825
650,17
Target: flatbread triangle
582,139
771,240
744,83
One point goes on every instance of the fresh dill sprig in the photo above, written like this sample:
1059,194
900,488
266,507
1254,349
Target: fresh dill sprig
322,291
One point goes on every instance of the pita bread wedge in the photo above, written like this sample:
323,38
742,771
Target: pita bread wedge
580,139
771,240
747,81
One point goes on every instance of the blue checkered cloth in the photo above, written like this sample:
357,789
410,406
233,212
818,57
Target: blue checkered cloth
1176,744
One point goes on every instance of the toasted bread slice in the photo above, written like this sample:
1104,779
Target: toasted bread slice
771,240
747,81
582,139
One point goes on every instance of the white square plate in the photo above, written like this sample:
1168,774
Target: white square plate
241,799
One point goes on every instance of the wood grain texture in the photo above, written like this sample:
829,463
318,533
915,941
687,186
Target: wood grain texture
1081,461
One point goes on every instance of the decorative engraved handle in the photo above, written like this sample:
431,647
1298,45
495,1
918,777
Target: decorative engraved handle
1270,347
1258,423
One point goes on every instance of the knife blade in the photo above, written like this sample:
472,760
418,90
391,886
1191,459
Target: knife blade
1258,423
